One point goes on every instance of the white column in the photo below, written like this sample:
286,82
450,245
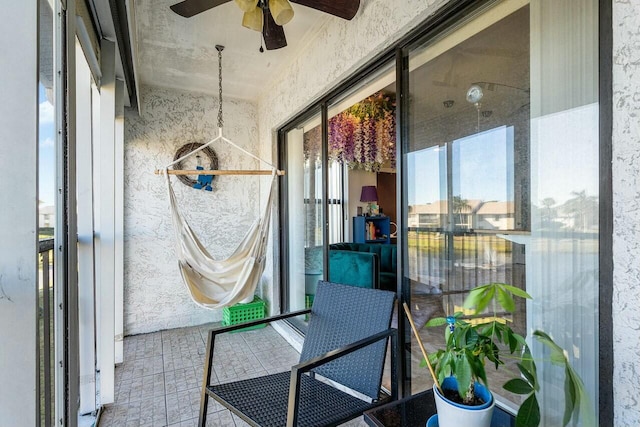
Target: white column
86,284
297,220
18,212
105,229
119,221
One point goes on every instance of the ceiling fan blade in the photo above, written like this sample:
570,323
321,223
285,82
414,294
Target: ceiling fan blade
345,9
273,33
189,8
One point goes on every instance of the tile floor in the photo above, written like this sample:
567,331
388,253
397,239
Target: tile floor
159,383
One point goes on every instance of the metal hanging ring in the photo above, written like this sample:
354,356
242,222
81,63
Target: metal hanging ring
188,148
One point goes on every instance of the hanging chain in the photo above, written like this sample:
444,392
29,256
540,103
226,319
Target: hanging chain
220,121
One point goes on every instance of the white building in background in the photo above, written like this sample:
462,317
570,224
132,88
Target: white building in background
46,216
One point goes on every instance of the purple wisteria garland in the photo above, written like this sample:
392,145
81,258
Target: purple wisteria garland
364,135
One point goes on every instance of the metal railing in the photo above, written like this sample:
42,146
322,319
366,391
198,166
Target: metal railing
451,263
45,335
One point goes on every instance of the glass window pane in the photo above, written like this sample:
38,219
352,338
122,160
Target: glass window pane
46,214
468,147
502,179
305,217
562,255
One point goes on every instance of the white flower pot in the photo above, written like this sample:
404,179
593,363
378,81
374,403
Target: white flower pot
452,414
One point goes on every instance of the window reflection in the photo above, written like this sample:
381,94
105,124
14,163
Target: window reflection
482,180
468,172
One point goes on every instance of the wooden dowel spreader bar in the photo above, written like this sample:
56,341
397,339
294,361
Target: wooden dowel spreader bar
218,172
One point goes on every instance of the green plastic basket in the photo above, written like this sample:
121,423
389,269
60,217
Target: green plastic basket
242,313
308,300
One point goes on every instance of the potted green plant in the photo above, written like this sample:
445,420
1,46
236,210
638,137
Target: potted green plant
459,369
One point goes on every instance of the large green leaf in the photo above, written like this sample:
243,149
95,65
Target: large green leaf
436,321
529,413
474,297
463,374
530,376
505,300
512,340
477,367
518,386
443,368
569,398
470,338
574,387
583,402
557,353
516,291
479,298
485,299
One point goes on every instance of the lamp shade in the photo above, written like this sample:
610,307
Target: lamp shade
369,194
281,11
253,20
247,5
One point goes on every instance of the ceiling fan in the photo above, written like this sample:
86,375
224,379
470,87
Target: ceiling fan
268,16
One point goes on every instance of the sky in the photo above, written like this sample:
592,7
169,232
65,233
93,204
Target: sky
46,145
563,154
482,169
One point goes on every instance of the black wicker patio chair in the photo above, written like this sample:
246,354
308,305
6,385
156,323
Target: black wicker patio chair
346,343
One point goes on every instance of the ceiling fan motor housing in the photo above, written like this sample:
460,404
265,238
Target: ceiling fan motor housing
268,16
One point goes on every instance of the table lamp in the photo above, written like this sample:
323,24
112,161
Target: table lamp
369,195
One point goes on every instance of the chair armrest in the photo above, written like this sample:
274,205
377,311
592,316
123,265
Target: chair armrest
232,328
349,348
299,369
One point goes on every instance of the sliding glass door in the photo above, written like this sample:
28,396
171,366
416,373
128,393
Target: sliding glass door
501,173
498,181
304,201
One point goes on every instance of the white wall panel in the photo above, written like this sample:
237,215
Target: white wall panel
119,221
105,229
86,271
18,212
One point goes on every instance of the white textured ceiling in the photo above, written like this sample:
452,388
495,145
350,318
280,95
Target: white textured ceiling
180,53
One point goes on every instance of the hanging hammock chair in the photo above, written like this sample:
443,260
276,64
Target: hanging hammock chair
220,283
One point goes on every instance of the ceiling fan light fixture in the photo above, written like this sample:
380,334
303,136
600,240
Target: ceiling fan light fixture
281,11
253,19
247,5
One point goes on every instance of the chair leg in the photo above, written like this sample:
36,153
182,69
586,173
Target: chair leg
206,380
394,365
294,398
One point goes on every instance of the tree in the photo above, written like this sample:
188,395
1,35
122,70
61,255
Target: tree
548,202
583,208
459,206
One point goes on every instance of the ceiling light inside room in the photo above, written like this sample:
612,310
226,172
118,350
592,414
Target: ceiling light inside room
253,19
281,11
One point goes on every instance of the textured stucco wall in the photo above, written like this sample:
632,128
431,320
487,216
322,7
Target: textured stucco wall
155,297
626,208
340,49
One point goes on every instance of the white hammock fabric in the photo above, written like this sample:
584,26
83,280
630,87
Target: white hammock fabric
220,283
